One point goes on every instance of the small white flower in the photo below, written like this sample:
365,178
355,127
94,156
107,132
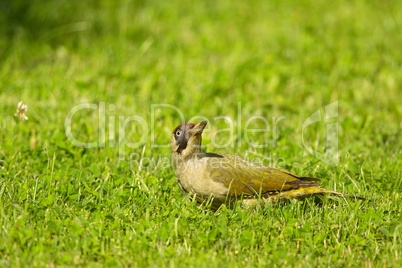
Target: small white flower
21,109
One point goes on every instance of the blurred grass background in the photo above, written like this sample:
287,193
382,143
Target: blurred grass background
63,205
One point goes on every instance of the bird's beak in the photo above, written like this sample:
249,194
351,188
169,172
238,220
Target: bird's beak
198,128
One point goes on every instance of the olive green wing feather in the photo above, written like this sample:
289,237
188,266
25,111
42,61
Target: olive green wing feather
243,177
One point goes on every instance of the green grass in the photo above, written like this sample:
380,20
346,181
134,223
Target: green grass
62,205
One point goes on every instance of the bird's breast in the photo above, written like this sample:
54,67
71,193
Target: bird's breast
194,177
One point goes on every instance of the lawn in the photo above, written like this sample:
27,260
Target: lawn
87,180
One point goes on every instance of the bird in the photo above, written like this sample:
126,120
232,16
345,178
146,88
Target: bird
217,178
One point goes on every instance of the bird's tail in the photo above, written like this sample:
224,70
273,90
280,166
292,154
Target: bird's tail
300,193
309,191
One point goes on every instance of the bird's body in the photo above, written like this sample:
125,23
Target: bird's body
224,178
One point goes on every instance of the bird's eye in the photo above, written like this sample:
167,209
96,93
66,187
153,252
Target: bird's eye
178,133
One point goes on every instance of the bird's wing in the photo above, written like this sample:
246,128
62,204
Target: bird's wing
241,176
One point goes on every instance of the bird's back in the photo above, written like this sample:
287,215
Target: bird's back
244,177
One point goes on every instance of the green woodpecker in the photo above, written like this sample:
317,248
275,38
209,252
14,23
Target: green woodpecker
218,179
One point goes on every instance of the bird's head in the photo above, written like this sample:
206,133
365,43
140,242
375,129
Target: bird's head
186,140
